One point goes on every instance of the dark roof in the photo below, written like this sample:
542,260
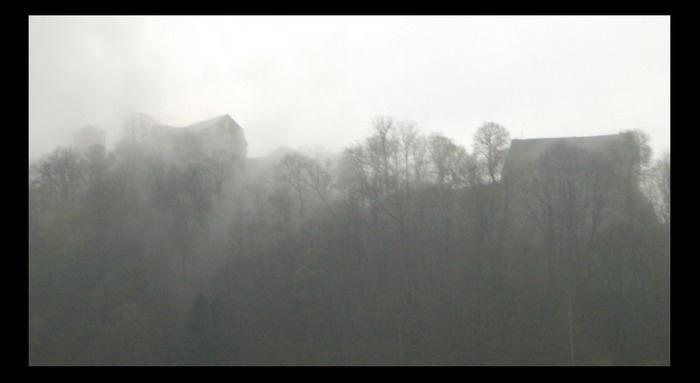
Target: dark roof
537,146
201,126
524,152
211,122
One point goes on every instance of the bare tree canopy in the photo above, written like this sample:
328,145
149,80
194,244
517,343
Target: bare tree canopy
406,249
490,146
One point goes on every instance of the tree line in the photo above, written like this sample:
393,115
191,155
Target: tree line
407,250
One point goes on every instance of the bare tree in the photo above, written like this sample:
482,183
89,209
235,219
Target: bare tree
410,148
381,148
138,127
371,169
196,188
490,199
60,174
490,146
446,158
559,214
220,167
632,156
660,188
319,181
292,171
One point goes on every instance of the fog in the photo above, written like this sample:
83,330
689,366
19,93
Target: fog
349,191
318,81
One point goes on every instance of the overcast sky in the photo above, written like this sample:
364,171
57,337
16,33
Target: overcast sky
319,81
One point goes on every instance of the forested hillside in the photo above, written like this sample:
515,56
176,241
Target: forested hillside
410,249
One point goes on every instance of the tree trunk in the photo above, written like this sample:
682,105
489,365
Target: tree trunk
572,350
399,339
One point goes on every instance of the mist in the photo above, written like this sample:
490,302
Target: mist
353,191
298,81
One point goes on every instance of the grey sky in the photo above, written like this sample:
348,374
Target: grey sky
318,81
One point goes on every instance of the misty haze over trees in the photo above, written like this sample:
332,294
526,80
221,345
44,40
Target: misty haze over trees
406,249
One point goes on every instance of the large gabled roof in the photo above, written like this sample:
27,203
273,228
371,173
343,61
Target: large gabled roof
211,123
524,152
202,126
536,146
